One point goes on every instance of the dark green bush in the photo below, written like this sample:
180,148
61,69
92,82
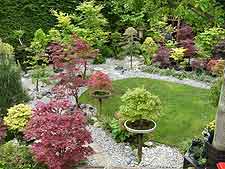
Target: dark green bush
99,60
11,90
15,156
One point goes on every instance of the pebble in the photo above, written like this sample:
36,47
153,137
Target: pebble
122,155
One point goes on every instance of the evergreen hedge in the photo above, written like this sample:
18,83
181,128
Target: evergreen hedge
29,15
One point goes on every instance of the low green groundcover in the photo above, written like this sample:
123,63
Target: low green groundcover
185,110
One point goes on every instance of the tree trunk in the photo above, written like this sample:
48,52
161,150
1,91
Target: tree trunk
37,85
77,100
85,69
131,61
219,136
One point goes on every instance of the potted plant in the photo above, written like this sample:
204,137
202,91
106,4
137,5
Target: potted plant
196,154
140,109
100,86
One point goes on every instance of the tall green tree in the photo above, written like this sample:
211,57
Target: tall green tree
11,90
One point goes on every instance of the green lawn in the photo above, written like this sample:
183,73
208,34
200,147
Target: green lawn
186,110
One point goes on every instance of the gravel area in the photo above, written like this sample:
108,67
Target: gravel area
121,155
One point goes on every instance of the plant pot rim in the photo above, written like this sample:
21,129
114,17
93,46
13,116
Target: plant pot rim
140,131
106,95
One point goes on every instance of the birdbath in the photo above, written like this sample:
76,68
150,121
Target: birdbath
140,127
100,95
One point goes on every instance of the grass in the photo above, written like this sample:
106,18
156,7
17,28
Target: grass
186,110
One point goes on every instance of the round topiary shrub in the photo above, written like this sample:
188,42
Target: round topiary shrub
18,117
16,156
139,104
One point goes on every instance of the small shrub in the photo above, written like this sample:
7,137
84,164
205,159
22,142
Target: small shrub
149,48
100,81
211,64
15,156
139,104
198,65
18,117
215,92
178,54
162,57
118,133
216,67
206,41
99,59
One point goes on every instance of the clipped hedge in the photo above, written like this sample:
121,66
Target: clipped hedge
29,15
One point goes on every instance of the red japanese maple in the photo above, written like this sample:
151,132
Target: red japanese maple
185,32
162,57
80,49
100,81
189,45
59,134
56,54
69,81
72,58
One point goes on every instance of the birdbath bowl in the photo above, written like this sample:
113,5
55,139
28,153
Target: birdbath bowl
140,127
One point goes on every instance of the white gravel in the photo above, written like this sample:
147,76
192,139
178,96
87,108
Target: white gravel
111,64
121,155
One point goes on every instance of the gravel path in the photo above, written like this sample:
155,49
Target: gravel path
111,64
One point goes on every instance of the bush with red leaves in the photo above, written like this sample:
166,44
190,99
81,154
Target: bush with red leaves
216,67
100,81
219,50
59,134
162,57
199,64
185,32
3,130
211,64
189,45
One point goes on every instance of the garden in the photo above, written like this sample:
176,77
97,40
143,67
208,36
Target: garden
112,84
